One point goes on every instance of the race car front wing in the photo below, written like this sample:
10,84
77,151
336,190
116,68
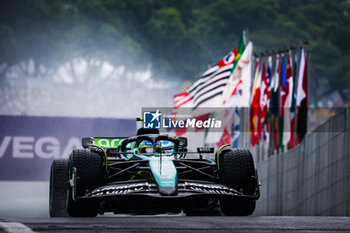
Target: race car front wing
185,189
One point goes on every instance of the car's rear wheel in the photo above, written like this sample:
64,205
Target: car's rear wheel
89,175
237,170
58,188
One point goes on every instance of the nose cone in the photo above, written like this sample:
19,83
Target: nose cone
165,174
167,191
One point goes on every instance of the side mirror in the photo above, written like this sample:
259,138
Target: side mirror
183,141
87,142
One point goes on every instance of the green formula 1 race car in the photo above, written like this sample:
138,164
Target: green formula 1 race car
149,173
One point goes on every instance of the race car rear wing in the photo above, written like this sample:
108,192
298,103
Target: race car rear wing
104,142
112,144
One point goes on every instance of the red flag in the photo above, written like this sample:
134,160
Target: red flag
225,138
228,59
255,106
180,131
182,99
202,118
265,96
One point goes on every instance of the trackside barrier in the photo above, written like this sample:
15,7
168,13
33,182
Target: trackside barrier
311,179
29,144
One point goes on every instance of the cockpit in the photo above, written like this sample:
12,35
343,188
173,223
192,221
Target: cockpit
150,145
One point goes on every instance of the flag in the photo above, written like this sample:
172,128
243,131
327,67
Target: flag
207,90
233,71
269,99
288,101
274,103
212,135
236,93
293,103
240,49
255,106
236,127
182,100
283,92
227,118
225,138
202,117
237,90
302,98
265,95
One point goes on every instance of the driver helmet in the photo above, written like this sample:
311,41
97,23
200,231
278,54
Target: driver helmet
145,147
166,147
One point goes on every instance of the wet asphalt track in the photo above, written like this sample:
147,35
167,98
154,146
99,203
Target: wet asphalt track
181,224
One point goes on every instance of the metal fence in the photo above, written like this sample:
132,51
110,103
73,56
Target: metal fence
311,179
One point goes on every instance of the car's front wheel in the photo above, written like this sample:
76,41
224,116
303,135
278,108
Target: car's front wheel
89,171
237,170
58,188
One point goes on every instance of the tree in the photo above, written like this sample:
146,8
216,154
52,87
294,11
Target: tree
178,38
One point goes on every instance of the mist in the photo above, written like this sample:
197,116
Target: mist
83,88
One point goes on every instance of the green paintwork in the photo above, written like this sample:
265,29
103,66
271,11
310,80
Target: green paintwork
164,171
162,168
107,142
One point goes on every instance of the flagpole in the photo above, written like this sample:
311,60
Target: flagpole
308,53
244,32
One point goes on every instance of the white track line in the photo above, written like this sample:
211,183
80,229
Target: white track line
15,227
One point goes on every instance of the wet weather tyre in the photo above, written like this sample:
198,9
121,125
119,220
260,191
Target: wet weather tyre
89,175
58,188
237,170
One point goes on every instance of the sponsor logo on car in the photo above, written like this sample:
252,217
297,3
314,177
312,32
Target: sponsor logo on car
108,142
121,189
208,188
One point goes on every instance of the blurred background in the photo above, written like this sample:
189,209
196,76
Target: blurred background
98,58
107,59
